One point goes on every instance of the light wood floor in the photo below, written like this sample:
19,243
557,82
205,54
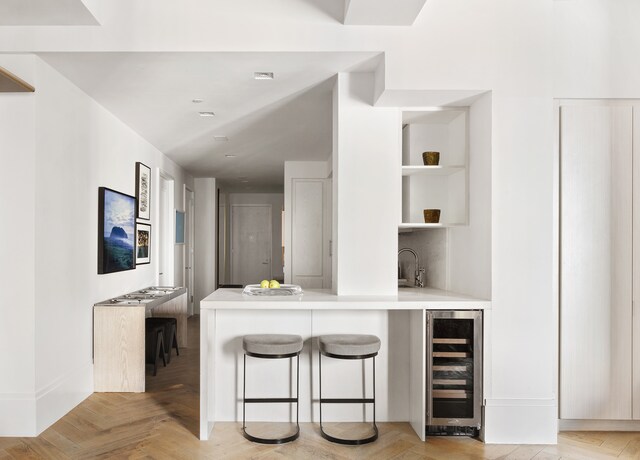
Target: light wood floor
163,423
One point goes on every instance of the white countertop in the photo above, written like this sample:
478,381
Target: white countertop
315,299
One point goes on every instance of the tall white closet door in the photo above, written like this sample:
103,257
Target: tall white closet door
636,265
596,262
310,233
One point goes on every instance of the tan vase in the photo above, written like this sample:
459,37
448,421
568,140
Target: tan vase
431,158
431,216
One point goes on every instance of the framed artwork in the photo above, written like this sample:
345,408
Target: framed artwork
143,191
116,228
143,243
179,227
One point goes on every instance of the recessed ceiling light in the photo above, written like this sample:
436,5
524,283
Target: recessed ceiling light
220,138
231,156
263,75
207,114
244,181
197,101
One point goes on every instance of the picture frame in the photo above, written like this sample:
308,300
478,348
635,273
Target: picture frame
143,191
143,243
116,228
179,227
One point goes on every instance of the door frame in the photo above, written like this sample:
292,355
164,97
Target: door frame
189,248
169,233
231,236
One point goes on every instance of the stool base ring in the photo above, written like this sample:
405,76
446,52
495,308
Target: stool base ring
351,442
284,440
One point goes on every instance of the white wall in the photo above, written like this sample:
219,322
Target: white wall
17,253
205,236
77,147
366,181
469,247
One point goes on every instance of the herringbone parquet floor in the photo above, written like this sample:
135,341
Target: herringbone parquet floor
163,424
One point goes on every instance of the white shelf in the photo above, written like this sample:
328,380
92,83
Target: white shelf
431,170
404,226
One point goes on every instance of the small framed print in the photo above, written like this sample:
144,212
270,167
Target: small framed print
143,243
179,227
143,191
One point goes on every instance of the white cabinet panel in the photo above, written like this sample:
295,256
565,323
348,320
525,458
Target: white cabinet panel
596,262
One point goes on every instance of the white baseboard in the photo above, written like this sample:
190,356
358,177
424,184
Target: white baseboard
63,394
521,421
18,415
598,425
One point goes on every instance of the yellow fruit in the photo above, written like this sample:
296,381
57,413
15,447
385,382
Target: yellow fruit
274,284
264,284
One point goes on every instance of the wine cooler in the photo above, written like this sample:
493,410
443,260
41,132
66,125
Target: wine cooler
454,372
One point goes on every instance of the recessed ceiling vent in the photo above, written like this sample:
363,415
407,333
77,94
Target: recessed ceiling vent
263,75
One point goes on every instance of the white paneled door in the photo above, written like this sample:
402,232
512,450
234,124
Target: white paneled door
596,262
250,243
311,233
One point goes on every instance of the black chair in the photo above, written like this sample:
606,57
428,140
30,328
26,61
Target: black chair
154,345
170,333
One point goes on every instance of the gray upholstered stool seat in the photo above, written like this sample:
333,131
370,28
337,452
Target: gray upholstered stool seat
349,344
272,344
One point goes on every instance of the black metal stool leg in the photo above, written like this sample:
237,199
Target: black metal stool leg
349,442
295,400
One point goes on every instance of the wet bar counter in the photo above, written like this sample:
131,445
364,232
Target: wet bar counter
398,320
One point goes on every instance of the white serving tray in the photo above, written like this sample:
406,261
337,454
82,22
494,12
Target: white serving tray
283,290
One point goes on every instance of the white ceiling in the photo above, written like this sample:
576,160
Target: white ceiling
45,12
267,121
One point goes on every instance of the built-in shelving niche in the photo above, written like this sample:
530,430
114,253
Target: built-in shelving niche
444,186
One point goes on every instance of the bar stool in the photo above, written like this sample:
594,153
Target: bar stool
170,333
349,346
271,346
154,344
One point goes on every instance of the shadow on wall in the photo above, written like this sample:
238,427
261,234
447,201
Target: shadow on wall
332,8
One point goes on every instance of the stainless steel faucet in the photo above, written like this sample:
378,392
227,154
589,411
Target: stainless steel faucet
419,271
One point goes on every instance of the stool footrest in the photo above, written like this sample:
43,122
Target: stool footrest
351,442
284,440
271,400
347,400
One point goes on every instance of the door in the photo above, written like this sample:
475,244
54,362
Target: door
188,247
250,243
310,233
596,262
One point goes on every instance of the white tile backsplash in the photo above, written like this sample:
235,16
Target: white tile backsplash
431,247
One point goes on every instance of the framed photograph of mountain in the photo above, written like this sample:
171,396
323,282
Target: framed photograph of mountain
143,243
143,191
116,231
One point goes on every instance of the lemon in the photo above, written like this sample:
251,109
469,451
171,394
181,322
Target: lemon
264,284
274,284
